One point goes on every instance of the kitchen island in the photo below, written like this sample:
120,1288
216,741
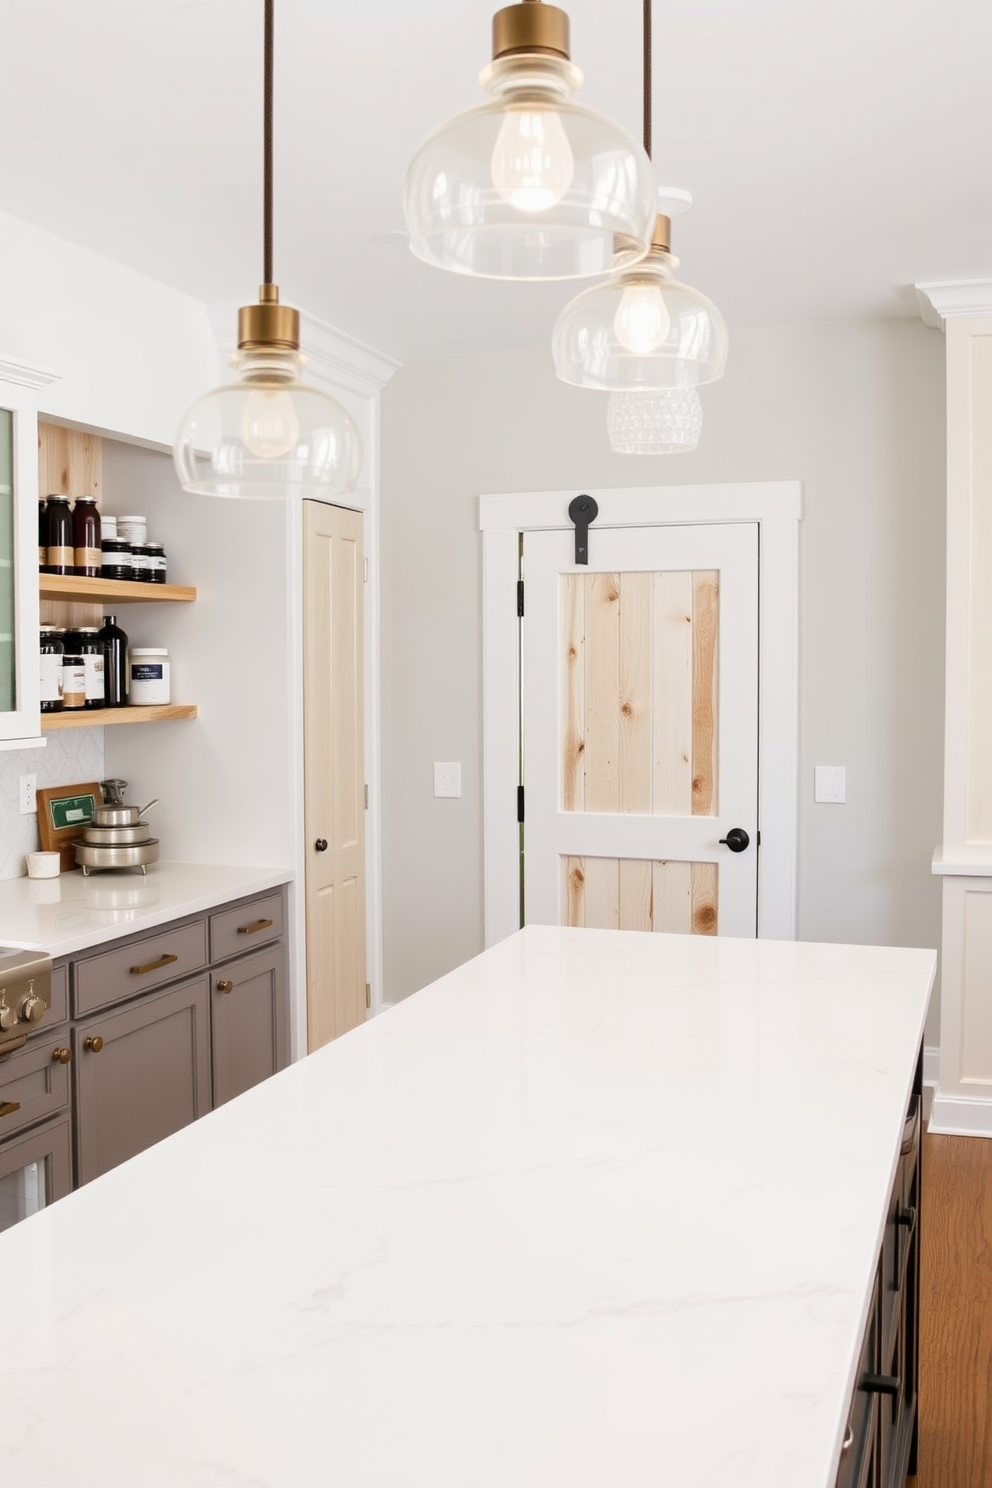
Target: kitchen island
598,1207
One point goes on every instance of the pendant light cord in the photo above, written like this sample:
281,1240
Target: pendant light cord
647,77
267,143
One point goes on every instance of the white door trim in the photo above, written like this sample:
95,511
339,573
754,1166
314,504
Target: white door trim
777,508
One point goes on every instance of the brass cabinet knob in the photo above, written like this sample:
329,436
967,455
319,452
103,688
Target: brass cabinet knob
61,1056
94,1042
225,986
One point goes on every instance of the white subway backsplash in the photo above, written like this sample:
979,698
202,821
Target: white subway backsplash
72,757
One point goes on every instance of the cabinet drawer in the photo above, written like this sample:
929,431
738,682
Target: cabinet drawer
34,1083
246,927
161,956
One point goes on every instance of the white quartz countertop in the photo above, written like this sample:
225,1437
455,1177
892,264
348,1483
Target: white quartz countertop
597,1208
69,913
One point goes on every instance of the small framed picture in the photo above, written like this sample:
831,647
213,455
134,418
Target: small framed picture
64,811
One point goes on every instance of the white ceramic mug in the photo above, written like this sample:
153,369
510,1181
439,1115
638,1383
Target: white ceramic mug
43,865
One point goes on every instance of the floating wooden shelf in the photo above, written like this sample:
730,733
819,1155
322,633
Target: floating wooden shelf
70,587
100,717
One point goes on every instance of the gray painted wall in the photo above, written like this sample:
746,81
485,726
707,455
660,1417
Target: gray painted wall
856,412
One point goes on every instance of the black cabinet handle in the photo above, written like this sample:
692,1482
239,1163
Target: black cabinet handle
736,839
879,1384
321,844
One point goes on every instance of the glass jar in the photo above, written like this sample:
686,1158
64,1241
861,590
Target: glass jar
115,557
61,550
42,534
157,563
113,640
150,675
141,562
87,559
133,529
73,673
51,669
91,650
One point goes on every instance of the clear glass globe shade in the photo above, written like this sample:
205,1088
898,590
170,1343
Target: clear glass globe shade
269,426
476,204
532,163
668,422
642,321
589,352
304,445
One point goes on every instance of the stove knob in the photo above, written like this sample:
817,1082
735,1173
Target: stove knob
32,1010
8,1016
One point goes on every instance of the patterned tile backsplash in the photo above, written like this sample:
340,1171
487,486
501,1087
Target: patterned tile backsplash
72,757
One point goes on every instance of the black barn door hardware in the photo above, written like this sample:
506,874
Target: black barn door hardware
582,511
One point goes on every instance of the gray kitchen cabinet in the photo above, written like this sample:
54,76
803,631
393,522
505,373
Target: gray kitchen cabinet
249,1012
142,1073
35,1170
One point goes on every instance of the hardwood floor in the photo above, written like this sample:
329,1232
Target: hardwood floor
956,1314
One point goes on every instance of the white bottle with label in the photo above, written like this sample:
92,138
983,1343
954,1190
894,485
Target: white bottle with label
150,675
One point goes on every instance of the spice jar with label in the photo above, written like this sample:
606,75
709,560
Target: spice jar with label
43,534
150,675
140,562
86,537
156,561
73,673
61,550
51,669
133,529
116,559
91,650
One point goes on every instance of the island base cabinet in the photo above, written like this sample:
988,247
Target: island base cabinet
141,1074
249,1013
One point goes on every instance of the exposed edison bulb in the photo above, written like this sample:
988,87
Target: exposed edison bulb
532,162
269,425
642,321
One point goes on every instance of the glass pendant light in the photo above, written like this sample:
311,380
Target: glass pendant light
530,185
268,435
642,328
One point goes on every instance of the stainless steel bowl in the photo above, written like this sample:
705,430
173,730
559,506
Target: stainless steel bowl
120,816
90,855
117,836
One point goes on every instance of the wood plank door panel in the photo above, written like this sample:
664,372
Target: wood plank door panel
334,770
640,725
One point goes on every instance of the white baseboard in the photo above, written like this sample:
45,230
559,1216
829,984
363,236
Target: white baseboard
960,1116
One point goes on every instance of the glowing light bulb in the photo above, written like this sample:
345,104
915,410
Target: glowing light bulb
642,321
532,163
269,425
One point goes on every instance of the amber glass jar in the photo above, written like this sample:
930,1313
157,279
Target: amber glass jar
87,558
61,549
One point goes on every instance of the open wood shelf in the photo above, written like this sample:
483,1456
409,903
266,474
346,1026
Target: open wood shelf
71,587
100,717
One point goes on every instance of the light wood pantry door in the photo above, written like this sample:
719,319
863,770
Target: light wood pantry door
640,729
333,576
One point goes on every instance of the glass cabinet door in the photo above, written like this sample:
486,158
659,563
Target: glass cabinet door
19,672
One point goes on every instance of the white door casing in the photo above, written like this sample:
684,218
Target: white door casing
776,508
663,769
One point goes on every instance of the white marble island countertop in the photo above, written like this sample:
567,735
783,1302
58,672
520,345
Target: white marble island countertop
74,911
597,1208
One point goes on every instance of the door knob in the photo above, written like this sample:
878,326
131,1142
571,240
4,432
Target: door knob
736,839
321,844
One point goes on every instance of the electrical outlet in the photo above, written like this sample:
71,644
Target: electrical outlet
28,786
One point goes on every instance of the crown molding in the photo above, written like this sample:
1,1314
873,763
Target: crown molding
333,358
941,302
26,375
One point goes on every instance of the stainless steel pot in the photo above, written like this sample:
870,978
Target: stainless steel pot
89,855
120,816
117,836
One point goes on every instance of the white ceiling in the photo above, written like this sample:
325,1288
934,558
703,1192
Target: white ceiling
838,153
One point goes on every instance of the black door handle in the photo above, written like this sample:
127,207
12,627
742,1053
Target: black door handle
321,844
736,839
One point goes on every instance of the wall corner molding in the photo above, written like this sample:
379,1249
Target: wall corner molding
24,374
939,303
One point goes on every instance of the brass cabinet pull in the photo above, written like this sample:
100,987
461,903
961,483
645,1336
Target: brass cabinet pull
61,1056
94,1042
7,1108
250,929
226,986
153,965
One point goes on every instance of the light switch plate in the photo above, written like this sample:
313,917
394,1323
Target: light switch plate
830,784
447,778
